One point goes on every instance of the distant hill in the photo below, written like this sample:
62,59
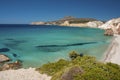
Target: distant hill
71,19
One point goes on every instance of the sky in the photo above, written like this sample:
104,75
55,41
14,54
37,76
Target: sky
27,11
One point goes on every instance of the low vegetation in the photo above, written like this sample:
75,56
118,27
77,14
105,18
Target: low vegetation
81,68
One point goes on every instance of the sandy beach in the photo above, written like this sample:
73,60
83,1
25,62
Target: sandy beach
23,74
113,53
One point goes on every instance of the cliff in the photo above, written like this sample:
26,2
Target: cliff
112,26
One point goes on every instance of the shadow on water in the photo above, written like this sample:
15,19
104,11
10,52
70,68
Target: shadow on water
4,50
13,43
55,48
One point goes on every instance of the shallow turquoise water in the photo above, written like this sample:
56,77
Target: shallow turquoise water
37,45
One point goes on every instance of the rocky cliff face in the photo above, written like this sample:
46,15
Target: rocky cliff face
94,24
113,24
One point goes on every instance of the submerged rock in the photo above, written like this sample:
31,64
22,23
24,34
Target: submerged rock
4,58
4,50
15,55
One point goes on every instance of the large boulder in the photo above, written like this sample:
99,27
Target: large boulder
70,73
109,32
4,58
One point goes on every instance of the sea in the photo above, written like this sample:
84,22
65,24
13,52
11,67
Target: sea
36,45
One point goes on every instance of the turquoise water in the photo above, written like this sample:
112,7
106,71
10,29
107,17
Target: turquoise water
37,45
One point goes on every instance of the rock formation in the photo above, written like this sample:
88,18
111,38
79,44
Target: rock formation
94,24
109,32
3,58
14,65
113,24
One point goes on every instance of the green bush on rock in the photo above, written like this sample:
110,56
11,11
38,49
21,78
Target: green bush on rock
81,68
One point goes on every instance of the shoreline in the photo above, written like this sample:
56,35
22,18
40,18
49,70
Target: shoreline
113,52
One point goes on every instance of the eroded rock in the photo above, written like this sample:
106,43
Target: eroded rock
109,32
4,58
14,65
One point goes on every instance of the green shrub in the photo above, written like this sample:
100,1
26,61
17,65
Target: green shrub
73,55
52,68
81,68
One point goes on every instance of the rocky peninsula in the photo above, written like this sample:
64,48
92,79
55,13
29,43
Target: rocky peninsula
72,22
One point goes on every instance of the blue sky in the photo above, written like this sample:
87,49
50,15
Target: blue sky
27,11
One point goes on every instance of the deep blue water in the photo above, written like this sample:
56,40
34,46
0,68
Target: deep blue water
37,45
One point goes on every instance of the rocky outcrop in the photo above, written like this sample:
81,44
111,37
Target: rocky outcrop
109,32
113,24
4,58
14,65
94,24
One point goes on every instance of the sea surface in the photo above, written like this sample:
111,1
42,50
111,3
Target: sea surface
37,45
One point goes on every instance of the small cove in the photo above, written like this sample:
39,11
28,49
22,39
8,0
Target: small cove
37,45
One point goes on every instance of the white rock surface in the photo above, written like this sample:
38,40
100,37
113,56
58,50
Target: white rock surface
94,24
111,23
23,74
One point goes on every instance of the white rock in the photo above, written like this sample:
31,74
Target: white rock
94,24
23,74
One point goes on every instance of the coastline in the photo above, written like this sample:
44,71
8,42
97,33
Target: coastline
113,52
111,55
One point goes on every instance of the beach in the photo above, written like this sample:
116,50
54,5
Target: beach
113,53
23,74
